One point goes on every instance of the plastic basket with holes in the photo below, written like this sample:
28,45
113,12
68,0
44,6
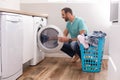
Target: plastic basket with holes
92,57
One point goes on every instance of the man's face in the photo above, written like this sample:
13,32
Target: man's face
64,15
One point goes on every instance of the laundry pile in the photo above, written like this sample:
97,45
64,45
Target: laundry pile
91,39
44,38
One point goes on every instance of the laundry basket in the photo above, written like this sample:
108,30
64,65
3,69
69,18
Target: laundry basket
92,57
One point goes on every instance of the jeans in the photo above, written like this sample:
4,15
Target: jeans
71,48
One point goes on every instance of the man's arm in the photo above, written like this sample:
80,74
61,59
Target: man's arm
81,32
65,32
64,38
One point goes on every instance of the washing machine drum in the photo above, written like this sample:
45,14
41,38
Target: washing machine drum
48,39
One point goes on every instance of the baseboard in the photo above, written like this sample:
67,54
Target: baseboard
105,56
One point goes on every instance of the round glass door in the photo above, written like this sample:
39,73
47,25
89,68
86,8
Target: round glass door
48,39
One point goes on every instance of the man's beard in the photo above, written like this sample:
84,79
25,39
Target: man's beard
66,19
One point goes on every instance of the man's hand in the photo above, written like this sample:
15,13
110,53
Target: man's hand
63,39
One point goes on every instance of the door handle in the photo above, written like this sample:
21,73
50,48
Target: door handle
14,21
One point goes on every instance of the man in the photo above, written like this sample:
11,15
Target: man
74,27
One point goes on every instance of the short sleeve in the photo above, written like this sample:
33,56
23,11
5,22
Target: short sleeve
82,25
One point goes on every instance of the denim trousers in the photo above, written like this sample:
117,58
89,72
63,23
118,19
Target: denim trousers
71,48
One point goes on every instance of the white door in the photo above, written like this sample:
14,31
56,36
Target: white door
11,45
114,53
48,39
0,51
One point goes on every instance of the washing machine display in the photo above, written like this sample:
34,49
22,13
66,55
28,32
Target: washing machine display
48,38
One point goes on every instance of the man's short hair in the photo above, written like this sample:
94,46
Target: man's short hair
66,9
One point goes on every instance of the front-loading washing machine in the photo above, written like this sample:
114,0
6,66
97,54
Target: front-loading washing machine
38,55
45,39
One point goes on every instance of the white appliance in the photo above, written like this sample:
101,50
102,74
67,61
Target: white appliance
10,46
38,54
28,38
41,29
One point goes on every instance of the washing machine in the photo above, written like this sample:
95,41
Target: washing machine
45,39
38,55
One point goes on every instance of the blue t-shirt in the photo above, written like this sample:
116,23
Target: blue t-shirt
76,26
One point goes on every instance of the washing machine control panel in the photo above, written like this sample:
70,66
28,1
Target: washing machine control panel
40,21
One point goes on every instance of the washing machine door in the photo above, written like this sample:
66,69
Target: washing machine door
48,39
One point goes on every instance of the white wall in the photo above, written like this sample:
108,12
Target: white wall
33,1
10,4
96,15
70,1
